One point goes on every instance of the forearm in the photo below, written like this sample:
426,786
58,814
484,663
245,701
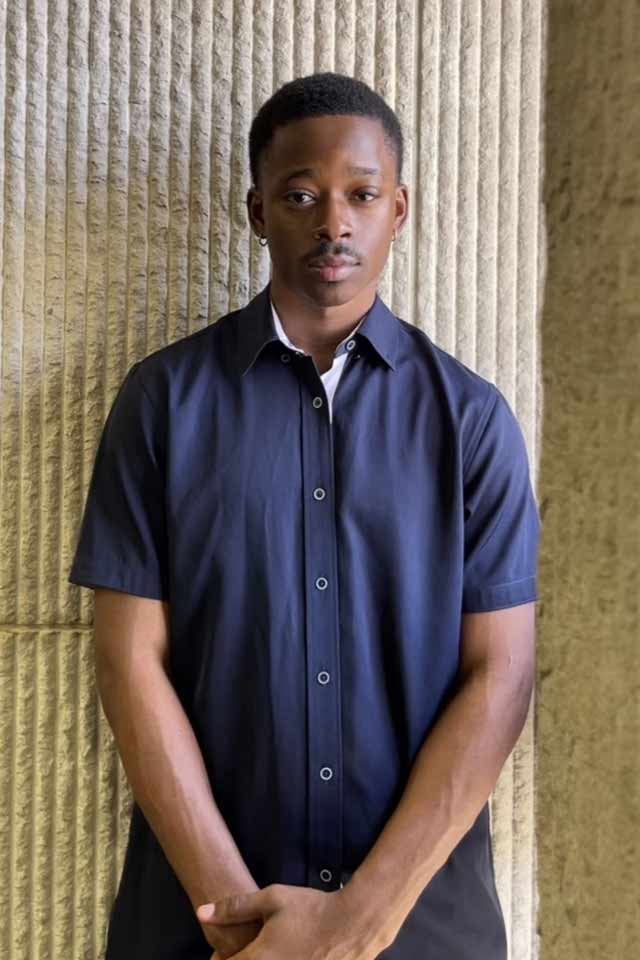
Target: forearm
164,766
452,778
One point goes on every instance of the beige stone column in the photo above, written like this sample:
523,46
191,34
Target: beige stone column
588,717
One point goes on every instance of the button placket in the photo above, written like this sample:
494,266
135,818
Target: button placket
322,640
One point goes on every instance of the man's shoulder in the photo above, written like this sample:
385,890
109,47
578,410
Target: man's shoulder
195,354
192,344
464,393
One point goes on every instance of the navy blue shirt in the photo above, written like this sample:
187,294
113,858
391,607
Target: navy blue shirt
317,573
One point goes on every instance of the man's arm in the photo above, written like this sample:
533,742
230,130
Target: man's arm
454,772
158,748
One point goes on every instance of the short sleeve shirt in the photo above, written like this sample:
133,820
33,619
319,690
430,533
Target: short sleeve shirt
317,571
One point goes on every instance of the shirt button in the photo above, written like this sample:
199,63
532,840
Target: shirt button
351,344
326,773
319,493
322,583
317,401
285,357
323,677
326,875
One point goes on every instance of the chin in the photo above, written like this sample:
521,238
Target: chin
334,291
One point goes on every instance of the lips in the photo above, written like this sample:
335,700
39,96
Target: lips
332,268
332,262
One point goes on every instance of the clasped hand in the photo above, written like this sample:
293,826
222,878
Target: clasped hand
283,922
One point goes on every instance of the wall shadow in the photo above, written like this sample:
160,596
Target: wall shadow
588,692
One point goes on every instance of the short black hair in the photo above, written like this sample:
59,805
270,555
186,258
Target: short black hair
321,95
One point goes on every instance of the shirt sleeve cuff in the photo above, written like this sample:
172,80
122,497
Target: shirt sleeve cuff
140,586
481,599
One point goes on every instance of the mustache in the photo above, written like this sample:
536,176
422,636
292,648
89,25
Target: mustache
327,250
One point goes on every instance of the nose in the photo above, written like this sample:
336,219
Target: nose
334,220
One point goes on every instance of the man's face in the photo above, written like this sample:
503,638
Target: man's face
312,204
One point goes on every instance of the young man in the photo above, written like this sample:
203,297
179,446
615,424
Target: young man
313,543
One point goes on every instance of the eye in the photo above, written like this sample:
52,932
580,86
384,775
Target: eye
366,193
303,193
298,193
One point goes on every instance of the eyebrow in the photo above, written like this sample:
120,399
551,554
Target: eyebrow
356,170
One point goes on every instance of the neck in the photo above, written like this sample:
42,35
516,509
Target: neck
315,328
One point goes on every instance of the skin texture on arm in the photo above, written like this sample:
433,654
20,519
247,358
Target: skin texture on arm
161,756
455,770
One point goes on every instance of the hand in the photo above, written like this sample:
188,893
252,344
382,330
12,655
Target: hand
231,938
299,923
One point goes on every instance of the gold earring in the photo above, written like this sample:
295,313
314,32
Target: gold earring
393,237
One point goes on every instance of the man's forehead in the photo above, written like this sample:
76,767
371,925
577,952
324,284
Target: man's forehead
359,147
355,170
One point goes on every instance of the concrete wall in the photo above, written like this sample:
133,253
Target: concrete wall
123,131
588,721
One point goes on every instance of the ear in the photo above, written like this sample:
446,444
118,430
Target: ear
402,207
255,211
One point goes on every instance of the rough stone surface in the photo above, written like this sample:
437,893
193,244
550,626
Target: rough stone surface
123,159
588,697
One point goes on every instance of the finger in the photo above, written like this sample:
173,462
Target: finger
237,908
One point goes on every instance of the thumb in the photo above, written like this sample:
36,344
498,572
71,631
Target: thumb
235,909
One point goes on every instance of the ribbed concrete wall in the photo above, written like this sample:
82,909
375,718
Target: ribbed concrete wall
124,165
588,730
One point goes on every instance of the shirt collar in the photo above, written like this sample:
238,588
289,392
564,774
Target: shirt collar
282,333
257,327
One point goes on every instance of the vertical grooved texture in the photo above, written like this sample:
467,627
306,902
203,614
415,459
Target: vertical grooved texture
124,168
